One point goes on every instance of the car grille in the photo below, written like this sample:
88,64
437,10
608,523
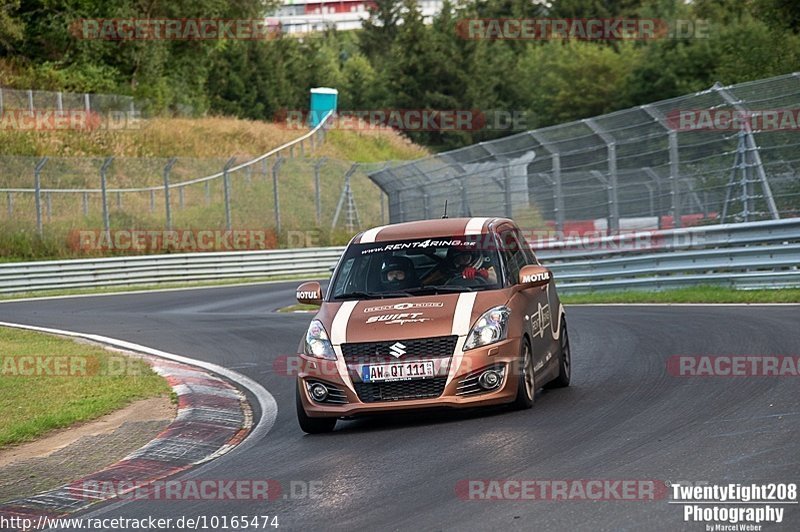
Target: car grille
373,392
378,352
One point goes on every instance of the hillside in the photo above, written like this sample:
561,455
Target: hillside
201,146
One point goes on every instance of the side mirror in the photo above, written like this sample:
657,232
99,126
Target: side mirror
309,293
531,276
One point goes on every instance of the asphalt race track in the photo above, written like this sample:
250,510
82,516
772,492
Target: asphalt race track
624,417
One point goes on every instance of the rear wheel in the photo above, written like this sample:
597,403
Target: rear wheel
526,383
564,360
312,425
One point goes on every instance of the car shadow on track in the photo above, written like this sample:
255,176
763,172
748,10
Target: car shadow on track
426,417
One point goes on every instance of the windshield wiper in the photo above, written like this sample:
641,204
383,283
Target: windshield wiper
371,295
440,288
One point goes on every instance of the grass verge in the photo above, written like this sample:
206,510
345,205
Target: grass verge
48,382
299,307
698,294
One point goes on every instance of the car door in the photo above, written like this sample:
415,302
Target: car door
534,300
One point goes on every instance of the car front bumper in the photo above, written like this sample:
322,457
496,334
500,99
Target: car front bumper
502,354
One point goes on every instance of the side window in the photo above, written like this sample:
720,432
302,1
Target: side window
512,255
527,251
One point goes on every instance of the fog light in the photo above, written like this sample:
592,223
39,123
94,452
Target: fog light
319,392
489,380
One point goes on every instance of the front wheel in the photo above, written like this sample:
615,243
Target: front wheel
564,360
526,383
312,425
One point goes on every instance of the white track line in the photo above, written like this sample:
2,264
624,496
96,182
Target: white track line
269,408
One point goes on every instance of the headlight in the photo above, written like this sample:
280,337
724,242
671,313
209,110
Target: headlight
317,343
490,328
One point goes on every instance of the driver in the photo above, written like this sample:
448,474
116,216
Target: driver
462,264
398,273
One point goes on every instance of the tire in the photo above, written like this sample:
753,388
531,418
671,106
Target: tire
564,360
312,425
526,382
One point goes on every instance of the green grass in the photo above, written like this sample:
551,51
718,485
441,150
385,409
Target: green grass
99,384
300,307
140,159
699,294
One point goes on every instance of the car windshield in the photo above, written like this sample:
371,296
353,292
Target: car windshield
415,267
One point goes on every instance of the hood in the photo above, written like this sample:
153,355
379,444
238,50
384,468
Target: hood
405,318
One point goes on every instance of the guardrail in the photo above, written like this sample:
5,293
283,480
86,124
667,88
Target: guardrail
747,255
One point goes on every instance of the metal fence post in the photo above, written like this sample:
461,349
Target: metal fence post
558,193
227,190
611,150
507,192
30,101
1,101
318,189
754,153
674,178
106,218
60,102
167,170
87,104
49,205
275,193
152,201
674,162
37,183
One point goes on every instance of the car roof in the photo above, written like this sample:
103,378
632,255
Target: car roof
441,227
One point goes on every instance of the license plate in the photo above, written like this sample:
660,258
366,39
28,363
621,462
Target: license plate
398,372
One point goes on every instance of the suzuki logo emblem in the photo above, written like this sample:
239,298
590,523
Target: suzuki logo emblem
397,350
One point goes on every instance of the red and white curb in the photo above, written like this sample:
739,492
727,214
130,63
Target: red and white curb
213,418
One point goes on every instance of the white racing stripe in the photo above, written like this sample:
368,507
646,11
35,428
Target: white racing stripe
339,336
475,226
462,318
340,321
370,235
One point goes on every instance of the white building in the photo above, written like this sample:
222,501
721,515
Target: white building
305,16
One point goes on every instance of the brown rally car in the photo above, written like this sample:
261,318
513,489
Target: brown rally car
437,313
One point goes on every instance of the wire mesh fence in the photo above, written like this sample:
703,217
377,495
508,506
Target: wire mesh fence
34,100
62,196
726,154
